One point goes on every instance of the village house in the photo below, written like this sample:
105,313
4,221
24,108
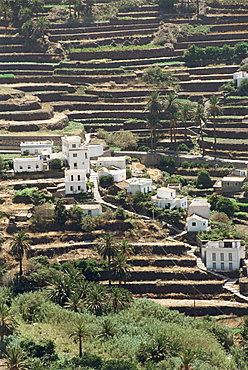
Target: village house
238,77
200,207
232,184
135,184
75,181
119,162
30,164
223,255
167,198
196,223
117,173
90,209
36,147
76,154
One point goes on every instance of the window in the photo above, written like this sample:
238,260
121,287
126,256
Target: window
78,177
214,256
204,223
85,156
193,223
36,151
229,256
230,266
20,167
37,166
71,188
79,188
74,155
222,266
29,167
75,165
71,177
214,265
222,256
73,145
89,212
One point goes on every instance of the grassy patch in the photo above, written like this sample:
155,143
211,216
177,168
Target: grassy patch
7,75
117,48
227,141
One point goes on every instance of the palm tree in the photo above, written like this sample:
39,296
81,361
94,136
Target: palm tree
214,110
62,288
14,358
96,299
107,249
186,114
79,333
6,321
153,106
186,357
171,107
20,246
119,298
107,329
126,248
199,116
121,269
74,302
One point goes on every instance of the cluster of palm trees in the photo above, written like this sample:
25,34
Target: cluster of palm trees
116,255
177,111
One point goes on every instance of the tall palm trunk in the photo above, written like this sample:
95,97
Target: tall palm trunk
215,139
109,270
20,267
171,132
202,141
80,347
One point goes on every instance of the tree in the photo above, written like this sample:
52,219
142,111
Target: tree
171,109
199,117
120,268
19,247
75,214
6,321
88,223
153,106
107,248
203,179
55,164
186,113
214,110
186,357
106,181
226,205
79,333
14,357
126,248
96,301
41,26
43,216
119,298
60,212
107,329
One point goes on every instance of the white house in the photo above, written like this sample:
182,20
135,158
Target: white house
118,174
76,154
196,223
200,207
119,162
238,77
167,198
29,164
75,181
223,255
91,209
232,184
138,184
36,147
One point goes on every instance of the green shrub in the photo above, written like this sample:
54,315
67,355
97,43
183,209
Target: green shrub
185,164
40,348
143,148
118,365
106,181
182,147
166,161
89,268
203,180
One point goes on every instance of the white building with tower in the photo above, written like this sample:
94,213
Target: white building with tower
167,198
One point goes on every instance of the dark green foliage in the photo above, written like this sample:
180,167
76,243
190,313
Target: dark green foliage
166,162
128,173
203,180
55,164
34,195
118,365
167,5
32,306
226,205
158,76
89,268
40,348
106,181
198,55
120,214
60,213
88,223
143,148
182,147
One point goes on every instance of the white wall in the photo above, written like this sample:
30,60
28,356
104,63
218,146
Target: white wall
75,181
143,185
195,225
27,164
119,162
200,208
35,148
95,150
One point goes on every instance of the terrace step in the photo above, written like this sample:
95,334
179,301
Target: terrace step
215,35
26,72
27,66
32,57
203,44
73,105
140,14
32,87
106,113
102,28
108,35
